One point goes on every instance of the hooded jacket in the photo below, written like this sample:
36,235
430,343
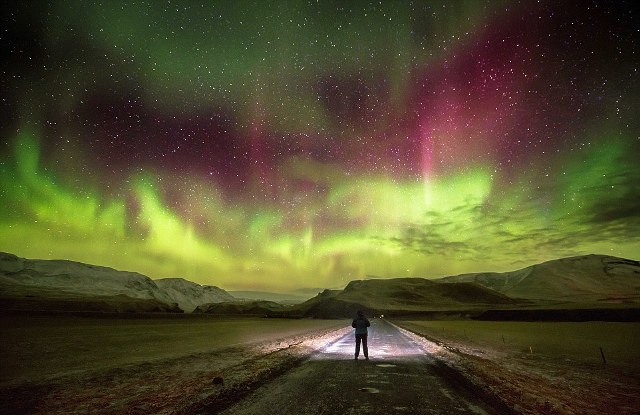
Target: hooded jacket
360,323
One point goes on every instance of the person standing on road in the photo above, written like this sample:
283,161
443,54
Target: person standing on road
360,323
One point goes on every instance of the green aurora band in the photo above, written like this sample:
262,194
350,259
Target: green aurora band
395,228
298,219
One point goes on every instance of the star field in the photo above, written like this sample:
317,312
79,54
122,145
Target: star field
287,144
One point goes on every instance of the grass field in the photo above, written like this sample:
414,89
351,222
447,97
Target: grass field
37,347
542,367
572,342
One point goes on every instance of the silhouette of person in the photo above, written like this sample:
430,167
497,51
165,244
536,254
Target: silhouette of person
360,323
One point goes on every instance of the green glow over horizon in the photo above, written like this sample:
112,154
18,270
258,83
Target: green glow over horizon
253,145
391,226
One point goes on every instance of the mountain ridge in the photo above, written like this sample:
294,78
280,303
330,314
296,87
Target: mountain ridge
401,296
76,286
592,277
189,295
586,279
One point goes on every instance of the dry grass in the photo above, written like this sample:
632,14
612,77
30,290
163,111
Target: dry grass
34,348
141,366
544,368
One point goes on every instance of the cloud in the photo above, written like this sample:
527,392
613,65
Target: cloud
595,208
619,202
429,241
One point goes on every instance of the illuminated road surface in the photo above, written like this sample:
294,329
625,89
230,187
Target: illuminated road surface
399,378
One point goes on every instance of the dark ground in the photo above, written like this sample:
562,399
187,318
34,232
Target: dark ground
399,378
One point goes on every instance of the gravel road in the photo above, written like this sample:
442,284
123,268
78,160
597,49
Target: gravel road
399,378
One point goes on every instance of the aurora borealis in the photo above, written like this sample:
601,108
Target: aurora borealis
288,144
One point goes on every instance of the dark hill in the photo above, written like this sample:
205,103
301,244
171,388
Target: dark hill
401,295
60,285
589,278
252,308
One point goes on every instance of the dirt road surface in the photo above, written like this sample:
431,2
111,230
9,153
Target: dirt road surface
399,378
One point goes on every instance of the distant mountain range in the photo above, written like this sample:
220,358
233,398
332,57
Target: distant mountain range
72,286
284,298
255,308
401,295
189,295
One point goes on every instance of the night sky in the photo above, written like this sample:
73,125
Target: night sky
286,144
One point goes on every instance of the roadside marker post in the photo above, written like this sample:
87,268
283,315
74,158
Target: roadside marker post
604,361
